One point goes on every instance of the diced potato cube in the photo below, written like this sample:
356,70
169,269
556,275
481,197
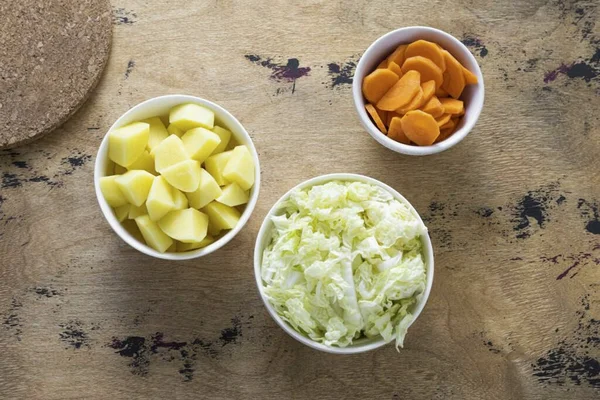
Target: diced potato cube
181,247
111,192
180,200
184,176
233,195
152,234
187,226
207,191
164,119
119,170
127,143
160,199
169,152
225,136
135,212
215,166
173,247
240,168
222,216
158,132
213,230
188,116
233,143
122,212
135,185
173,130
144,162
200,143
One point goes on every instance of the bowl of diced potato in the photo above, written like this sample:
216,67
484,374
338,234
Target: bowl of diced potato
177,177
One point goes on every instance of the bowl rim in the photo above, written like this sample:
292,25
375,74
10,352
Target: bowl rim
359,102
363,345
237,129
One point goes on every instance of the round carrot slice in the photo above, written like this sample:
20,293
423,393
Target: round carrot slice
428,50
454,77
426,67
395,132
433,107
415,103
428,90
452,106
443,119
398,55
377,83
402,92
376,118
420,127
395,68
470,78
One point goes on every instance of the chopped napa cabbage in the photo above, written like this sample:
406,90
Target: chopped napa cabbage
345,262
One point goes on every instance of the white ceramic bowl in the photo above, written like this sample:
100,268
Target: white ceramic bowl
264,236
161,106
384,46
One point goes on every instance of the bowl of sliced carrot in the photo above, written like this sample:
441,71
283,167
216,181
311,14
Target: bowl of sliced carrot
418,90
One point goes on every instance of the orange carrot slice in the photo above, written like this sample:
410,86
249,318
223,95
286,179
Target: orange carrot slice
452,106
470,78
398,55
444,134
390,115
402,92
440,92
426,67
383,64
428,90
428,50
415,103
433,107
377,83
450,124
375,117
443,119
395,68
395,132
420,127
454,77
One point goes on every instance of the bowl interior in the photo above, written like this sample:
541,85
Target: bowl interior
264,237
160,106
472,96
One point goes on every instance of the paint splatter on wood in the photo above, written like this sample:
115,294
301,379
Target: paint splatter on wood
341,74
575,359
129,69
74,335
589,211
475,44
288,72
533,210
122,16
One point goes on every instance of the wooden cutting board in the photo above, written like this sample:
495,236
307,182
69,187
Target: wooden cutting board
52,54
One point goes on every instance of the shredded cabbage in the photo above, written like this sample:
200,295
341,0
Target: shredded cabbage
345,262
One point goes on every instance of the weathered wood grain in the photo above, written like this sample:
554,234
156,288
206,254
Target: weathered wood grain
510,210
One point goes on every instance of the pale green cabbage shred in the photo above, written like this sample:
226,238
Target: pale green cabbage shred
345,262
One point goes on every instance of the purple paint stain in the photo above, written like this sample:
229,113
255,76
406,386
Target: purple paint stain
289,72
581,69
475,43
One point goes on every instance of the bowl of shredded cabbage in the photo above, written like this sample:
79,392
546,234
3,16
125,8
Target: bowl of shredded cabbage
344,263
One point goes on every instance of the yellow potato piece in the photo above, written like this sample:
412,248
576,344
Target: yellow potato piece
186,226
122,212
111,192
216,164
173,130
180,200
181,247
135,186
184,175
158,132
135,212
160,199
144,162
207,191
233,195
132,228
119,170
221,216
127,143
152,234
240,168
200,143
189,116
224,135
169,152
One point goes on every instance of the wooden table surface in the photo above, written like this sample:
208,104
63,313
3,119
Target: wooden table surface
513,211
